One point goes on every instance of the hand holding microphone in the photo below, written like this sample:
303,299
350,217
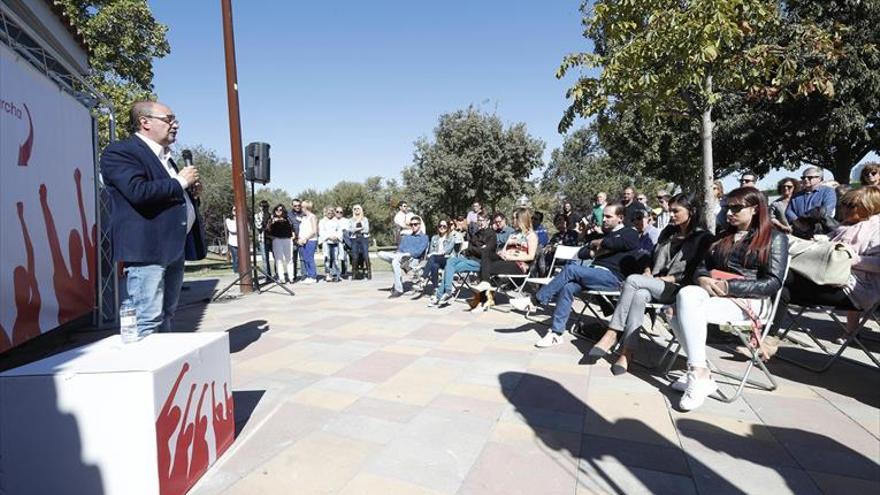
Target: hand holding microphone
190,173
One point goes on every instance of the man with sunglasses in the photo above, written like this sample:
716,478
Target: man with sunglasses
155,221
413,244
812,195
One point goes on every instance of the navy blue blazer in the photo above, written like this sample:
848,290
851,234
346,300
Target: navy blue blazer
147,207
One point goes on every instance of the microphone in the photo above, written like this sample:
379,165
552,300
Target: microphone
187,157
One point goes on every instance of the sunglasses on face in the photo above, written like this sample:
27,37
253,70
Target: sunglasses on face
442,226
415,224
735,209
809,177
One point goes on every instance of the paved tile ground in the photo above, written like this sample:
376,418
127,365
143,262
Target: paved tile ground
339,390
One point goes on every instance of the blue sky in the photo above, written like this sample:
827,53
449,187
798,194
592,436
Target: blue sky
342,89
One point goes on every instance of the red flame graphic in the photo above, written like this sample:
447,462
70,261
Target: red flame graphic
177,475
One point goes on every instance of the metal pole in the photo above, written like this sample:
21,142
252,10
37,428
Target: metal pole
244,262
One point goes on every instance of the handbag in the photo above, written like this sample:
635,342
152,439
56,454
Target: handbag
822,262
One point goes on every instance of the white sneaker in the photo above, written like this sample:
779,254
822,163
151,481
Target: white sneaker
552,338
681,384
697,391
445,300
523,304
309,281
433,301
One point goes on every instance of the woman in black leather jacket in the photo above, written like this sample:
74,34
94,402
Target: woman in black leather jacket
740,274
679,250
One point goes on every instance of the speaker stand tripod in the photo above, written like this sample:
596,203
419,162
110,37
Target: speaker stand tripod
255,269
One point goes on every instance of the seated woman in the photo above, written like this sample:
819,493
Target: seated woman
513,259
681,246
440,248
860,230
737,278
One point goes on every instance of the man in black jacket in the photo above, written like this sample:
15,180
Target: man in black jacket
614,255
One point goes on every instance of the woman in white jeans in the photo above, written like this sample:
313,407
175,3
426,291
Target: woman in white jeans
679,250
740,274
282,244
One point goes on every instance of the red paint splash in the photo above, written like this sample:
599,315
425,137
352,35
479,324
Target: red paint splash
179,474
74,291
24,151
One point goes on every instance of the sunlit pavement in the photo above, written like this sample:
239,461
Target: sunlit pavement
341,390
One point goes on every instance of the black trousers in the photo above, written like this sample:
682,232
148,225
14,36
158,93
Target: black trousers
803,291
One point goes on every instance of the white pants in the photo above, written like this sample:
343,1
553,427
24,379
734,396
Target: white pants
282,249
694,310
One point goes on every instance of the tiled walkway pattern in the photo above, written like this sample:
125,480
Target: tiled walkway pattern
342,391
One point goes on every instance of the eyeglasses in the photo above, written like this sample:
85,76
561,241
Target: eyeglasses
810,177
443,226
735,209
169,119
415,224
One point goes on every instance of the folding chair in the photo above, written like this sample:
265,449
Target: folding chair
864,318
743,330
560,255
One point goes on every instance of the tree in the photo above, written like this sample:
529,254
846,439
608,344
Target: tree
123,39
667,57
472,157
581,168
216,198
832,133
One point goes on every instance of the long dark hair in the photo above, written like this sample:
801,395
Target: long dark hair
283,210
760,228
695,211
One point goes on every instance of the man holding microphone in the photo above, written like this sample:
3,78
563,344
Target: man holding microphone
155,221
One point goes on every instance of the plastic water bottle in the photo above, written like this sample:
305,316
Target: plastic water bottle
128,323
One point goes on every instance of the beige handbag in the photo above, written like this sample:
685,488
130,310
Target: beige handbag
823,262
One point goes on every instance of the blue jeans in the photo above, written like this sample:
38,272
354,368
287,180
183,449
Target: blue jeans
456,264
395,258
233,251
308,258
331,259
153,290
571,280
433,266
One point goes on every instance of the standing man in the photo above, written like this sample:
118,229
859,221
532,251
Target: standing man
295,215
630,206
571,216
599,203
473,216
401,220
261,221
663,215
155,222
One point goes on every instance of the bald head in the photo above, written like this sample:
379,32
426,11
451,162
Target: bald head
155,121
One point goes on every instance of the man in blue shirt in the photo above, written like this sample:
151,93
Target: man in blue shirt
812,195
412,246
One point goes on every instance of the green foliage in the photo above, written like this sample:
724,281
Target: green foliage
581,168
123,39
472,157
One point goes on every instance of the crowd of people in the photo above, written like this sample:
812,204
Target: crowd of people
663,255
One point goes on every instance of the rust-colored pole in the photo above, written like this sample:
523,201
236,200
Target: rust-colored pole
241,217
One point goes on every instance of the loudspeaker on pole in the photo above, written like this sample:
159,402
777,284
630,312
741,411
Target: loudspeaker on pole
257,163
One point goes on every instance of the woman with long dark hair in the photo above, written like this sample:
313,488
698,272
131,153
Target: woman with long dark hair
282,246
680,248
736,280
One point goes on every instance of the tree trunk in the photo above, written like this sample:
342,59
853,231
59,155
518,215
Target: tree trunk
708,165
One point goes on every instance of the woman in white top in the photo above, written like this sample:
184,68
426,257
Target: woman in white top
329,237
232,239
308,239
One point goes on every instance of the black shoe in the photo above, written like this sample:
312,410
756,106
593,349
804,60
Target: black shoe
597,352
617,370
395,294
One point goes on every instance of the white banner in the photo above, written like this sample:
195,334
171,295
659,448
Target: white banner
47,204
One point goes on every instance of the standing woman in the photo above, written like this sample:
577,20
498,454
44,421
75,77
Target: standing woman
232,239
786,189
681,246
282,245
513,259
738,277
440,248
360,240
308,239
